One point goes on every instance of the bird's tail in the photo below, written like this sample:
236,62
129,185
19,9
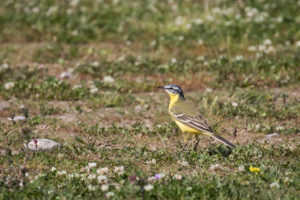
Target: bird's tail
220,139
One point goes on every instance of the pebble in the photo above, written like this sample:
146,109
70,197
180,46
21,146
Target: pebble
41,144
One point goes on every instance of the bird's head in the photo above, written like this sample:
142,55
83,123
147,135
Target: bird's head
173,90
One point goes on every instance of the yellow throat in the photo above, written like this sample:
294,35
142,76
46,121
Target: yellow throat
173,99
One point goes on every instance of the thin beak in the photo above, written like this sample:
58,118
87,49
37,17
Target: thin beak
161,87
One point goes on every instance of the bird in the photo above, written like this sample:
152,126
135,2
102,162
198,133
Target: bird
187,117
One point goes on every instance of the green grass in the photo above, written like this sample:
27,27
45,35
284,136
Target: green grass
238,62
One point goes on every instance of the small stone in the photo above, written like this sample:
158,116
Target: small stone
65,75
17,118
41,144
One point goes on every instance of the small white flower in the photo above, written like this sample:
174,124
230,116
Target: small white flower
252,48
119,170
95,64
9,85
288,180
261,47
76,87
63,172
181,37
109,194
267,42
53,169
102,170
101,179
108,79
257,126
179,21
234,104
151,162
91,176
279,128
183,163
200,42
148,187
215,167
208,90
93,89
91,188
274,185
104,188
239,57
298,43
177,177
198,21
241,168
173,60
92,165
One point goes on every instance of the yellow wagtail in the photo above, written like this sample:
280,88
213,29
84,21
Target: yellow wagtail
187,118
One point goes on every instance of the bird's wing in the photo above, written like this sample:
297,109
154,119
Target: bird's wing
186,114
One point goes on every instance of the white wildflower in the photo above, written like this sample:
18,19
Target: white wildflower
239,57
76,87
9,85
279,128
173,60
241,168
183,163
63,172
148,187
200,41
102,179
151,162
109,194
234,104
181,37
267,42
91,176
95,64
91,188
179,21
177,177
274,185
53,169
198,21
92,165
257,126
93,89
102,170
104,188
119,170
215,167
208,90
252,48
108,79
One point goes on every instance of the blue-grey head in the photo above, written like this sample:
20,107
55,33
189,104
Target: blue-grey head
173,89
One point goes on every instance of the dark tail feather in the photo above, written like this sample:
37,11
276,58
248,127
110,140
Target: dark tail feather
220,139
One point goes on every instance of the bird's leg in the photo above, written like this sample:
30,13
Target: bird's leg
197,142
184,141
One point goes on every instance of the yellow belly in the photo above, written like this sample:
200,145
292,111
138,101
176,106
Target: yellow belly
186,129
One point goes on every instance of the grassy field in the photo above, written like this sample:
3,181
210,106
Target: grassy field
85,74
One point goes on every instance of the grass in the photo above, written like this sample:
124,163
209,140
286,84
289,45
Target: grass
236,61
